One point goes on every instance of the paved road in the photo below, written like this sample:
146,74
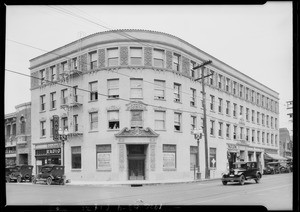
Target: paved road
273,192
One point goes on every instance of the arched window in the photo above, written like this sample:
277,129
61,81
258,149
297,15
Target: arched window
23,125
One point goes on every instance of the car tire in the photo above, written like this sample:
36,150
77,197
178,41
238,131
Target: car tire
49,181
242,180
258,177
224,182
19,179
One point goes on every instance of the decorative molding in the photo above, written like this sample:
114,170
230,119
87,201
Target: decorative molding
123,55
169,60
121,157
136,106
137,132
113,107
185,66
160,108
152,157
101,58
93,109
147,56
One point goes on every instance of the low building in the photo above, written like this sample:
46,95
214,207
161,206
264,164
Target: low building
130,106
18,136
285,143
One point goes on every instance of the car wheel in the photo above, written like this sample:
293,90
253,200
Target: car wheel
19,179
49,181
242,179
258,177
224,182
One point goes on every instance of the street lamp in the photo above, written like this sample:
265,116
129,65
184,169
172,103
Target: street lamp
63,134
198,135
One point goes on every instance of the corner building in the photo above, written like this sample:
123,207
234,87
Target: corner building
130,102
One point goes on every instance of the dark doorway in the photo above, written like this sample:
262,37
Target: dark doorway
136,162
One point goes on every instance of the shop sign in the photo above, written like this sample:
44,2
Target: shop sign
103,161
169,160
54,151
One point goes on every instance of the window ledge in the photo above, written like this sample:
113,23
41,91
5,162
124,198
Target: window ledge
141,98
164,130
42,137
179,102
170,169
44,111
93,131
76,170
160,99
93,101
53,109
178,131
103,170
112,130
113,98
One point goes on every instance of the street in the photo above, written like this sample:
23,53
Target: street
274,192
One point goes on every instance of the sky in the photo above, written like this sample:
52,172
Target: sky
254,39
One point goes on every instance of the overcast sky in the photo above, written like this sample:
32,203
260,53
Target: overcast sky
256,40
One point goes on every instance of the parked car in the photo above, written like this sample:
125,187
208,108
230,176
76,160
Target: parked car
290,165
51,173
272,168
19,173
242,171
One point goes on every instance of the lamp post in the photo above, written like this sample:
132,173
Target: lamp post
204,112
198,135
63,134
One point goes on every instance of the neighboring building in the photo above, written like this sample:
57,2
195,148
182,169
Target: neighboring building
17,135
285,143
132,104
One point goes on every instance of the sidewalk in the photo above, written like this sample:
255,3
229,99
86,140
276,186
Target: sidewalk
134,182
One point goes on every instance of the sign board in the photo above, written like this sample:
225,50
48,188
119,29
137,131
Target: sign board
169,160
103,161
55,128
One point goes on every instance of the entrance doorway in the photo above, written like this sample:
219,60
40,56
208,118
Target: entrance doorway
136,162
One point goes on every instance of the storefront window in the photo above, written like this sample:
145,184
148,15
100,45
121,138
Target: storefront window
212,157
103,157
76,157
169,157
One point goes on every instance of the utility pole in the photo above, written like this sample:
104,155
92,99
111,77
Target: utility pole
202,66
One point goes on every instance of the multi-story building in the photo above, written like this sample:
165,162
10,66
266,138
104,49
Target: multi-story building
18,135
130,102
285,143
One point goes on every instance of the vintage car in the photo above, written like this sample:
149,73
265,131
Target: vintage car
273,168
19,173
242,171
49,174
290,165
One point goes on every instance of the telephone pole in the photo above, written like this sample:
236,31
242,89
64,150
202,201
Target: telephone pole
202,66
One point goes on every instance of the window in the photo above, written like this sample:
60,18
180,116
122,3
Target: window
193,157
212,100
258,137
192,71
212,125
43,128
267,138
247,134
227,84
51,127
74,63
252,117
234,109
160,120
220,81
53,100
211,79
113,57
64,66
220,129
267,120
272,122
64,97
252,96
257,116
234,88
64,121
53,73
227,107
75,123
247,114
227,130
241,110
176,62
75,96
220,105
247,91
169,157
272,138
113,88
276,123
263,119
8,130
257,100
193,122
43,104
177,92
93,60
93,91
136,118
42,77
267,103
234,132
136,88
113,119
263,137
276,140
159,89
103,157
193,97
212,157
158,58
242,133
76,157
136,56
241,91
177,122
14,129
94,121
22,125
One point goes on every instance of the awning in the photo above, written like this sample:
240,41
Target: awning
274,156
